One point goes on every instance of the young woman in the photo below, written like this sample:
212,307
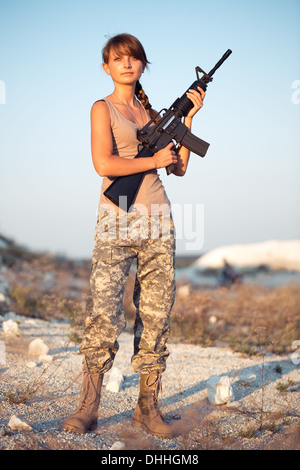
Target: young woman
146,234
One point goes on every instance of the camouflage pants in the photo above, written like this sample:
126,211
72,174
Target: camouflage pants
149,240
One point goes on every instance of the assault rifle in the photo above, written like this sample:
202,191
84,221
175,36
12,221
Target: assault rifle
154,137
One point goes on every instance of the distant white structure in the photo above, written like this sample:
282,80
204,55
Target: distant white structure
275,254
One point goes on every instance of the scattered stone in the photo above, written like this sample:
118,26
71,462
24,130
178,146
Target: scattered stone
184,291
45,358
10,328
247,379
16,424
219,390
30,364
115,381
37,347
213,319
118,445
2,354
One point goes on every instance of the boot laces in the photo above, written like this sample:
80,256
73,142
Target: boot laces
157,389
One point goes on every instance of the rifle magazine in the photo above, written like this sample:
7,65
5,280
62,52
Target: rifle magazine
194,144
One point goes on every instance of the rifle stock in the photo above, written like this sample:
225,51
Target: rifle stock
123,189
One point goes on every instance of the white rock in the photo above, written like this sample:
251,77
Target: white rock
115,381
118,445
2,353
37,347
183,291
45,358
2,297
247,378
219,390
16,424
30,364
10,328
213,319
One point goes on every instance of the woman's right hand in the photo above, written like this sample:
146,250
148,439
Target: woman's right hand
165,157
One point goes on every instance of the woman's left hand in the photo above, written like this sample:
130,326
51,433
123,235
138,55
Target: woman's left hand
197,98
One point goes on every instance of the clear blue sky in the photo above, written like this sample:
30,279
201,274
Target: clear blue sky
50,74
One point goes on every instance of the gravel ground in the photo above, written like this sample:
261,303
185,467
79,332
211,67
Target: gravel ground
200,424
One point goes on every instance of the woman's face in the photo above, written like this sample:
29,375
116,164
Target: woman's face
124,69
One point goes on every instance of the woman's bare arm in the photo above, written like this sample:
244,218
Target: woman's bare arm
107,164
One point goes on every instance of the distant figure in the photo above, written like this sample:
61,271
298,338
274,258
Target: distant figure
228,276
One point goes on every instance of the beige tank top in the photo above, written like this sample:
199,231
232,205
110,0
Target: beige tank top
151,197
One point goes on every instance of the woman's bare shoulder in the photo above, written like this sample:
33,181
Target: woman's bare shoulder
99,105
100,110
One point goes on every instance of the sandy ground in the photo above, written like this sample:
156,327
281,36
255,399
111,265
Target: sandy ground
260,417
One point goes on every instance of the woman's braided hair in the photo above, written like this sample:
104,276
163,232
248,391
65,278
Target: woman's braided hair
143,98
126,44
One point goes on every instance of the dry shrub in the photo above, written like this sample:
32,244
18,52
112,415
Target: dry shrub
289,440
238,314
48,287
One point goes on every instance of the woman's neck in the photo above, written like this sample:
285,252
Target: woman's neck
125,94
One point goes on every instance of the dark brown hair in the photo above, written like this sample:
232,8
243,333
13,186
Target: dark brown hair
126,44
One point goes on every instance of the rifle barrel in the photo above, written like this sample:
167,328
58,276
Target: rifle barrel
218,64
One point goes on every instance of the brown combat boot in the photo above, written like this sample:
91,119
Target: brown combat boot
85,418
147,414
